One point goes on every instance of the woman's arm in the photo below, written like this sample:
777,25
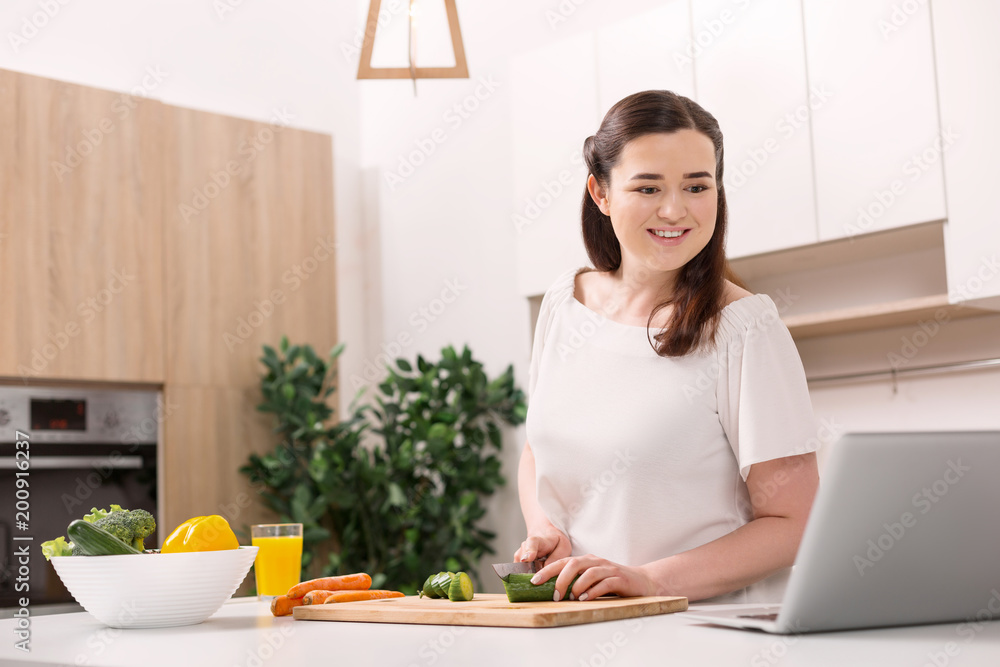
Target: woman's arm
781,495
544,540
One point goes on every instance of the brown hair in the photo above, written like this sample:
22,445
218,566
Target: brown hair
697,297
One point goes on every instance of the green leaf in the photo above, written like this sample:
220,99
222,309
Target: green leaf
404,365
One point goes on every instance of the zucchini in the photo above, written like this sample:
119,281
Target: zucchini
520,589
461,588
95,541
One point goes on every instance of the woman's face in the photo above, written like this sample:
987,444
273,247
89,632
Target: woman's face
663,182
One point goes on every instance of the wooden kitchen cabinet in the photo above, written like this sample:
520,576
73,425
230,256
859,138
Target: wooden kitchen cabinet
80,233
750,74
249,257
876,136
249,244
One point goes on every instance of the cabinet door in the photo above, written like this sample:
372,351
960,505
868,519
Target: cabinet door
876,134
968,58
553,109
750,74
80,233
649,51
248,224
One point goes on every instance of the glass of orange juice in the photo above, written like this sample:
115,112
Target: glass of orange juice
278,565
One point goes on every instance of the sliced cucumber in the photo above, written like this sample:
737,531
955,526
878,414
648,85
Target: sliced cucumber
441,582
461,588
427,589
520,589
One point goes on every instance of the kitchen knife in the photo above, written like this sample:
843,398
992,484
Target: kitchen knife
504,570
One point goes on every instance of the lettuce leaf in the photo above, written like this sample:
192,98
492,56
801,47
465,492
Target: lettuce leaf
57,547
96,514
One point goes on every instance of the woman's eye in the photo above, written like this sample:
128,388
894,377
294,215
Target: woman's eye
700,188
648,190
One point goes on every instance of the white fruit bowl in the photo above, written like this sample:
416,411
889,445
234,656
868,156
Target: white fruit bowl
154,590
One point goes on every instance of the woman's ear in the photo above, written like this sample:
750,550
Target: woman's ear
599,195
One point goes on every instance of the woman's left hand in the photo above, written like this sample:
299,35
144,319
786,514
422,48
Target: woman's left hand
598,576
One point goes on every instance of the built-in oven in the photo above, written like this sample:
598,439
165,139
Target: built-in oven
63,451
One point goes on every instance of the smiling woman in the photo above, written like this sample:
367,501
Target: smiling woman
684,466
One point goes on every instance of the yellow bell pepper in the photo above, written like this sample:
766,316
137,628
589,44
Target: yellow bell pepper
201,533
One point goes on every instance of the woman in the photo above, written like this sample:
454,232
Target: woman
683,466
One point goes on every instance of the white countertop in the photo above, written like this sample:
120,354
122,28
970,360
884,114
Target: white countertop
244,633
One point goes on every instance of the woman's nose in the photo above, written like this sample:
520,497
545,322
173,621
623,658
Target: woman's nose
671,207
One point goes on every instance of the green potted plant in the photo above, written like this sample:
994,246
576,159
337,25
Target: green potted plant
398,489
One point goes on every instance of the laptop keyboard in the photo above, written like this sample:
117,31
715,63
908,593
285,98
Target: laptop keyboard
760,617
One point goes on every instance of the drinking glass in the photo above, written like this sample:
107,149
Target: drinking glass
278,565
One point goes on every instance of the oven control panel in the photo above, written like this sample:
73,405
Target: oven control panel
72,415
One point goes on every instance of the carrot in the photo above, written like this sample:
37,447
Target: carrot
283,605
354,596
345,582
316,597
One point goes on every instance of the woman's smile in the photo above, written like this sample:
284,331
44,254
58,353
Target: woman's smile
669,236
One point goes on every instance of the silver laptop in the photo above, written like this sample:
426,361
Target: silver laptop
905,530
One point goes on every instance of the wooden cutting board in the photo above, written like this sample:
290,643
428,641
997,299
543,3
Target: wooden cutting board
491,609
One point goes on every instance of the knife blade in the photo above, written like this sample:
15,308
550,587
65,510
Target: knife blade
504,570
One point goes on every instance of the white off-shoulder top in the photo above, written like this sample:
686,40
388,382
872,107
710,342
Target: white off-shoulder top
639,457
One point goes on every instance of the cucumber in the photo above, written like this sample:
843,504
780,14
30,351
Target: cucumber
427,589
520,589
441,582
95,541
461,588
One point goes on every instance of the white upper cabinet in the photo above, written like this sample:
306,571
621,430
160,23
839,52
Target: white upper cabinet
553,108
876,137
750,73
968,61
649,51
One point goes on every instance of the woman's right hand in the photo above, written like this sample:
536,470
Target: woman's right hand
551,544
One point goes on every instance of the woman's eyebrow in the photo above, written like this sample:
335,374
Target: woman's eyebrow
659,177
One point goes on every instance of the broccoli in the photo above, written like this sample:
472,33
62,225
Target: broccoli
129,526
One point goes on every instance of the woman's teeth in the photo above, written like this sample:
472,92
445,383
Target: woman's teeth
668,235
